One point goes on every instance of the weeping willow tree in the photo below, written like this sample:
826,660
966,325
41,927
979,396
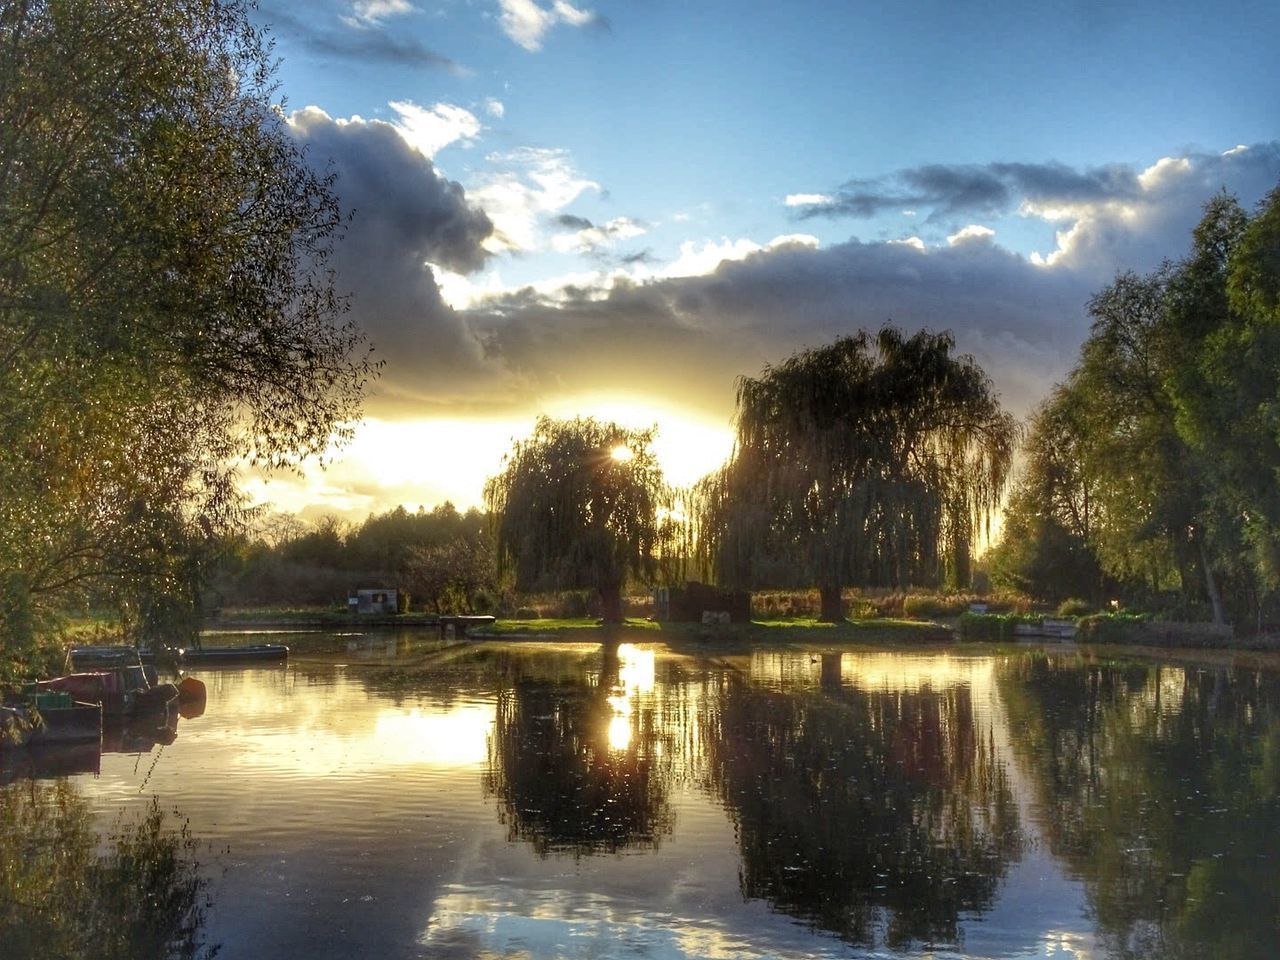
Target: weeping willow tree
576,507
874,461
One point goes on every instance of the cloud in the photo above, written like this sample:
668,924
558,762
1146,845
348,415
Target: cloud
950,190
495,108
364,12
588,237
807,199
724,308
974,232
347,38
527,23
431,129
529,186
404,214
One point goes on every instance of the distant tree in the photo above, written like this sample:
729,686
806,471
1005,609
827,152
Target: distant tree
873,460
576,506
449,576
165,305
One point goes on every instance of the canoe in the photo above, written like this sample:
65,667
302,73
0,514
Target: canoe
254,652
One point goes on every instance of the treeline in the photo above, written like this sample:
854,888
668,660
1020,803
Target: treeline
1153,472
441,557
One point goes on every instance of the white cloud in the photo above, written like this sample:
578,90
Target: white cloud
595,236
525,22
914,242
1238,148
537,182
697,260
805,199
430,129
368,12
495,107
1163,170
973,232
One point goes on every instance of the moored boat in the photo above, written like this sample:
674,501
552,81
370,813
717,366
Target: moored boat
242,654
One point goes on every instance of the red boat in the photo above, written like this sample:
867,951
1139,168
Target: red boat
123,692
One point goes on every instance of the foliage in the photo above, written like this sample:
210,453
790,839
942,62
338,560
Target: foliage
1153,466
1075,607
994,627
928,606
1109,627
872,461
450,577
62,895
165,305
576,506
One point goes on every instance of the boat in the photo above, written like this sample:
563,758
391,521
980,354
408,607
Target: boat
109,656
249,653
48,718
124,691
117,656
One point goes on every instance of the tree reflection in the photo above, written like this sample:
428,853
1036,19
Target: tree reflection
1161,789
576,762
880,817
64,895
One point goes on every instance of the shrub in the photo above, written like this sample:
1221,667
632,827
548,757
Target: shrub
994,627
929,606
1075,607
1110,627
526,613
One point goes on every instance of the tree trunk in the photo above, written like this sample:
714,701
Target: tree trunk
1210,582
832,605
611,603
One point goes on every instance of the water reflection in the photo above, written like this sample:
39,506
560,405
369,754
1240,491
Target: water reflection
532,800
881,815
62,895
576,760
1161,786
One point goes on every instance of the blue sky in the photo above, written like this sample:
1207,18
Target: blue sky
615,208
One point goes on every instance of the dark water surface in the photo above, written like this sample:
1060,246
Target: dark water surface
533,801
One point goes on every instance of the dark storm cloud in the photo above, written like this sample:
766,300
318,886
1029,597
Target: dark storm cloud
326,34
403,214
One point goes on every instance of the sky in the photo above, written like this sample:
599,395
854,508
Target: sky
615,209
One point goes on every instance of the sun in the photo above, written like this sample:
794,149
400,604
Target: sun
621,453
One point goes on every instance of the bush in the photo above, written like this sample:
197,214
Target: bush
993,627
931,606
1075,607
1110,627
526,613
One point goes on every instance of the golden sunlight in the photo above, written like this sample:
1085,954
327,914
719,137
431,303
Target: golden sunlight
688,445
621,453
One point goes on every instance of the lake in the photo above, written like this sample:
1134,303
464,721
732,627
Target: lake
541,800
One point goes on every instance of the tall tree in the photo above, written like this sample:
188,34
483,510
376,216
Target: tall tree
165,305
576,506
873,460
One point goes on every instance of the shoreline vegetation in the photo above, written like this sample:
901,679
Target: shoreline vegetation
1104,629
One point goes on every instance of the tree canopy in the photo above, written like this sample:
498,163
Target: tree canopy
165,304
1169,420
576,506
871,461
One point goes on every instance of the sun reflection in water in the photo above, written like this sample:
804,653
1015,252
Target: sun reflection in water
635,679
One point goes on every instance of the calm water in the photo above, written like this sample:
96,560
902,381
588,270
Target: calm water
530,801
